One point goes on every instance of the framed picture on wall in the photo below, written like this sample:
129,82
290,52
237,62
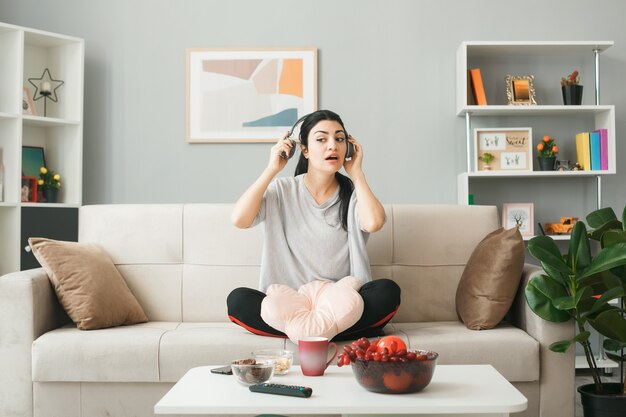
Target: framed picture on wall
248,95
503,149
519,215
33,159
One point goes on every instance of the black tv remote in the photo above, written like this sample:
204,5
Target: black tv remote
279,389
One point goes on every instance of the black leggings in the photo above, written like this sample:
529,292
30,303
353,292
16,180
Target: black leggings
381,299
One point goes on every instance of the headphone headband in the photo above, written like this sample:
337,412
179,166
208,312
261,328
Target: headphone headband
296,124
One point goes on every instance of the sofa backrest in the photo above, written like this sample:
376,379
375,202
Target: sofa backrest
182,260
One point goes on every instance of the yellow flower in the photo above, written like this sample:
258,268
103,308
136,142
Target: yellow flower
49,179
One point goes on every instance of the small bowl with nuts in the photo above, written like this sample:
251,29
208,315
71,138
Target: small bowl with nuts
282,358
252,371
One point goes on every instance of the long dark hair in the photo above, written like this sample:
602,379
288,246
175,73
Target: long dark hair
345,184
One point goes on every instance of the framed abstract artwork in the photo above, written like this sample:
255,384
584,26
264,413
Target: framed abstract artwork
248,95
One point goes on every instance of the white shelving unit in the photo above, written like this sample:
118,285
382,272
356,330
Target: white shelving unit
551,60
24,54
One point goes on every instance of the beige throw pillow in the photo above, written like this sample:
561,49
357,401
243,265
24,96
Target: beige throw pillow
490,279
87,283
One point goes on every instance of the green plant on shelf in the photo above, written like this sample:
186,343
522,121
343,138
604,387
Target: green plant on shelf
48,179
547,148
572,79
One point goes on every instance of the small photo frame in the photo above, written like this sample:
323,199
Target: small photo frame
33,159
519,215
520,89
503,149
28,106
29,189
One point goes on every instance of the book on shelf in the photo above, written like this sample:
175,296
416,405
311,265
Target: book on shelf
583,151
594,150
604,149
478,91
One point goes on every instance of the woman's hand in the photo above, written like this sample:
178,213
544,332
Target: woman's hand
277,162
371,212
353,166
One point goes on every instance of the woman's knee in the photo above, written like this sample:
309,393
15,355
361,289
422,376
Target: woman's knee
243,296
383,288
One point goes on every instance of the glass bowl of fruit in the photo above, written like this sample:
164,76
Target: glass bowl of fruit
386,366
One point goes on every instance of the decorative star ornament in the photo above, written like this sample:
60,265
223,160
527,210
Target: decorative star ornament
53,85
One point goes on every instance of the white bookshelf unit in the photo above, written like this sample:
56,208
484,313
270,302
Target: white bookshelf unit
24,54
548,62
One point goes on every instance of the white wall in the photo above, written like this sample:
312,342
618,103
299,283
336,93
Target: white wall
388,67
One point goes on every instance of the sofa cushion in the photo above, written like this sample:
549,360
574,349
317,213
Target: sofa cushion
510,350
427,262
200,344
146,352
490,279
117,354
89,287
318,308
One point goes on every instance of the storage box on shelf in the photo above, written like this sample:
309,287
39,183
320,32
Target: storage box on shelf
25,53
548,62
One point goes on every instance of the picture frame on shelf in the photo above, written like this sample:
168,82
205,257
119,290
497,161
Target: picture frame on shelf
519,215
33,158
248,95
520,89
503,149
29,189
28,106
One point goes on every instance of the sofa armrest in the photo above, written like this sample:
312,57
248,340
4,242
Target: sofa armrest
557,370
28,309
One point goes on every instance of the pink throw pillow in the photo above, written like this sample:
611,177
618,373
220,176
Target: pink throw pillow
319,308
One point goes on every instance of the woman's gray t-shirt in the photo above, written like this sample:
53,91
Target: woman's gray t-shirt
304,241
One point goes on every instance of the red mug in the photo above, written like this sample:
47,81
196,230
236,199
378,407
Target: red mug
313,352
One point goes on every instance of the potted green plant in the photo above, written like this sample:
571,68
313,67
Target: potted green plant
584,288
546,154
571,89
49,183
487,158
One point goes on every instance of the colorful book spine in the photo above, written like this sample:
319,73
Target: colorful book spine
594,148
604,149
583,153
477,87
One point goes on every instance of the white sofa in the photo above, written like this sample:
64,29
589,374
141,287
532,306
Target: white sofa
181,261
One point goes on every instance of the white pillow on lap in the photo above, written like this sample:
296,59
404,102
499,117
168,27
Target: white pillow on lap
319,308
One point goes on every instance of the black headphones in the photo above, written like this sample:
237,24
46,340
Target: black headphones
349,152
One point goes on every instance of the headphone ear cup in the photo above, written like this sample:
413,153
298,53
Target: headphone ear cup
292,152
350,150
284,155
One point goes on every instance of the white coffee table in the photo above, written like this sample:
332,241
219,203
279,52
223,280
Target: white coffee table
456,390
